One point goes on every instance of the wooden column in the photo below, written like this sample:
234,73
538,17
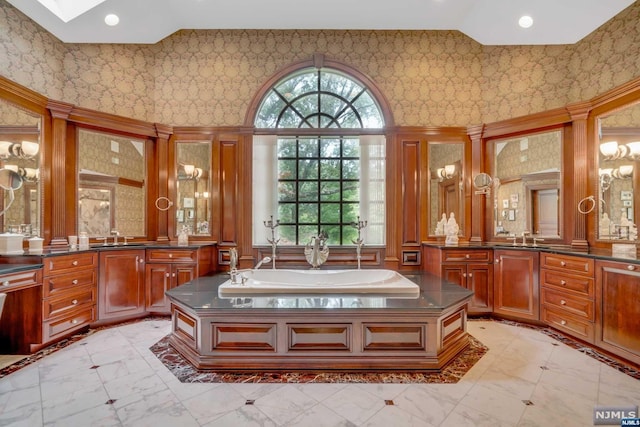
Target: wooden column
160,188
61,183
393,200
479,203
579,113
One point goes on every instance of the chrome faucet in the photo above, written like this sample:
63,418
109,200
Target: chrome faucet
115,235
274,242
316,252
359,242
237,276
524,238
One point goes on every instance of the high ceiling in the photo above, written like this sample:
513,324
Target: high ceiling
490,22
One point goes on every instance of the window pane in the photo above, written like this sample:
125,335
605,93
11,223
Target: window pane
308,191
350,212
308,213
287,191
331,105
269,111
350,191
351,169
330,169
287,234
308,147
369,111
329,148
330,213
287,212
350,148
308,169
330,191
333,231
305,232
287,169
349,235
287,147
307,106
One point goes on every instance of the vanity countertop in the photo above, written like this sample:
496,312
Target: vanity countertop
595,253
66,250
15,268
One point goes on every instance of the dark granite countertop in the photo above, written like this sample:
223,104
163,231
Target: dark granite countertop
15,268
435,294
595,253
66,250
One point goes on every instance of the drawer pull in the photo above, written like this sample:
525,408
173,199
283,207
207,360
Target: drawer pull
464,274
166,274
470,274
467,256
75,262
6,283
497,260
74,302
562,263
170,255
74,281
74,322
563,302
631,267
563,282
563,322
173,275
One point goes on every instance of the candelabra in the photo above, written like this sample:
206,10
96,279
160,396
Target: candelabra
359,225
270,224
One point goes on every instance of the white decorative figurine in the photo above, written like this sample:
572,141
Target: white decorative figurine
605,226
451,230
440,226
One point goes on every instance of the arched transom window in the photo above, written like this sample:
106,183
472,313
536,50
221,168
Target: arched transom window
329,175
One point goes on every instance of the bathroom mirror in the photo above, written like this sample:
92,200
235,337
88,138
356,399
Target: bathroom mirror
10,181
527,197
618,155
445,184
193,208
20,152
112,189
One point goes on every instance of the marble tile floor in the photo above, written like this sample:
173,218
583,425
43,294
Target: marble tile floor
111,378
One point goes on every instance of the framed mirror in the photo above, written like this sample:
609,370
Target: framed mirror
527,191
111,184
20,133
445,184
618,155
193,210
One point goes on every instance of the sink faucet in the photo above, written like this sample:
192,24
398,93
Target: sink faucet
115,235
524,238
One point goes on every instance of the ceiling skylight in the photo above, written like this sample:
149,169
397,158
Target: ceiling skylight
69,9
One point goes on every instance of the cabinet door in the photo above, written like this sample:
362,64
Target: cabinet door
454,273
516,288
480,280
618,311
121,283
183,274
158,280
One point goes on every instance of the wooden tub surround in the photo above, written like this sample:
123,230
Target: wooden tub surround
319,332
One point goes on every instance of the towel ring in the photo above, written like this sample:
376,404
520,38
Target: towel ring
583,202
169,203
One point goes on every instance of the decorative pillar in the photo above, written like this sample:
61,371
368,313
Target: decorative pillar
162,185
579,113
478,201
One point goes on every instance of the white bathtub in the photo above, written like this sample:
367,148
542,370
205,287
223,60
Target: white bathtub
321,282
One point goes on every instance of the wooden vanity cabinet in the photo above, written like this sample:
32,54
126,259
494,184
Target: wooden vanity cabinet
69,293
467,267
21,321
567,294
515,284
618,309
121,284
166,269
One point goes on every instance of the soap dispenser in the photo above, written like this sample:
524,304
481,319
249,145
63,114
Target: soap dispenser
83,241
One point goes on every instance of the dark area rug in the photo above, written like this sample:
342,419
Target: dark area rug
186,373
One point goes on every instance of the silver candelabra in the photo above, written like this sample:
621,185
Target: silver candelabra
359,242
273,241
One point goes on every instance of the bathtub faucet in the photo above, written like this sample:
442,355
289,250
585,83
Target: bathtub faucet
359,242
316,252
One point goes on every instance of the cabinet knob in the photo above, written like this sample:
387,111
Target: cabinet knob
563,282
6,283
563,302
74,322
497,260
464,274
170,255
74,281
140,260
470,274
467,256
631,267
173,275
166,274
74,302
563,322
562,263
75,262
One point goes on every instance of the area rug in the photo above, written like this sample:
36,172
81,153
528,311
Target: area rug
186,373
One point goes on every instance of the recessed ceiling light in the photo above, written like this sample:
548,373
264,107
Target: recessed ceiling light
111,19
525,21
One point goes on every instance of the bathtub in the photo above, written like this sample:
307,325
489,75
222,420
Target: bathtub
321,282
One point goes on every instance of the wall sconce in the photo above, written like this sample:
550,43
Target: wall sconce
607,175
611,150
446,172
24,150
27,174
203,195
191,171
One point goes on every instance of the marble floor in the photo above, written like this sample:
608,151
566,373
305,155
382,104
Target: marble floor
111,378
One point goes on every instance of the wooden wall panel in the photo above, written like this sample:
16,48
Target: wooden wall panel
410,177
229,214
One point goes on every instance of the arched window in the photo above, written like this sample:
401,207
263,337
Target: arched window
315,169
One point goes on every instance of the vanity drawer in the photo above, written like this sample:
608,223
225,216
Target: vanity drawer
58,284
582,329
71,321
172,255
53,307
580,285
69,263
568,303
23,279
568,263
457,255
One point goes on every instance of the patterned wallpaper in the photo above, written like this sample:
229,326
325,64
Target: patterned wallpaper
208,77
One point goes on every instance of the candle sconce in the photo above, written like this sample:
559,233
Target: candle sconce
270,224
